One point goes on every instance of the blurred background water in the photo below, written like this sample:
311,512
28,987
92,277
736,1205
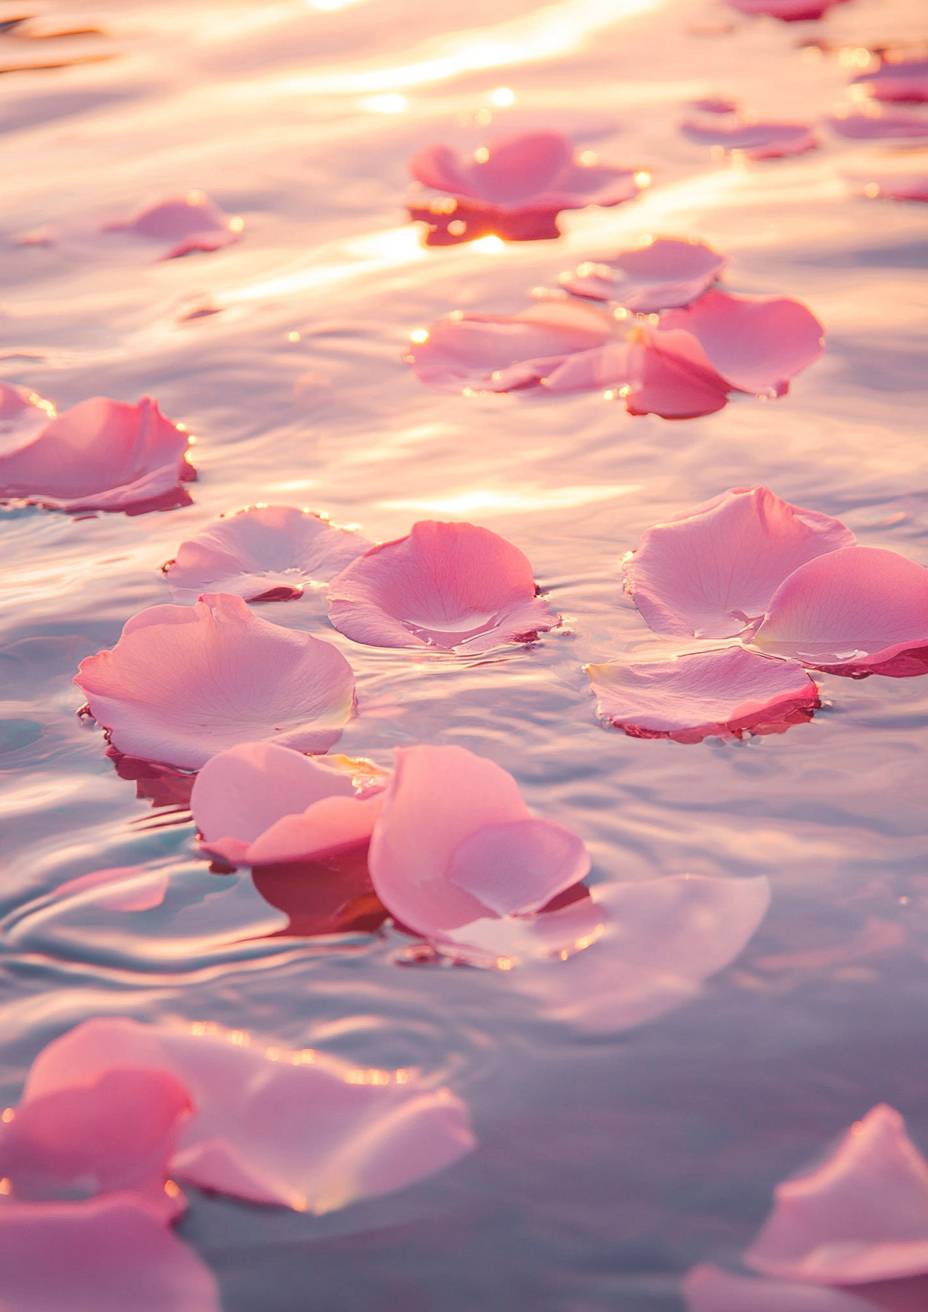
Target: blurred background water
605,1166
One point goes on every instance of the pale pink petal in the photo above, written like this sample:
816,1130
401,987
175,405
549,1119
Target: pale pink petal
262,553
299,1129
861,1216
856,611
323,830
875,124
606,367
756,343
897,80
456,587
712,570
710,1289
115,1134
191,222
758,140
99,455
788,11
726,693
518,866
121,888
662,273
185,682
22,415
103,1256
438,798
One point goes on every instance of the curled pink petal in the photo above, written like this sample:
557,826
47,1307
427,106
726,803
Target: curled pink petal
298,1129
262,553
102,1256
189,223
712,570
123,888
856,611
455,587
710,1289
184,682
452,844
262,804
101,455
897,80
758,140
859,1217
788,11
756,344
113,1135
22,415
662,273
876,124
725,693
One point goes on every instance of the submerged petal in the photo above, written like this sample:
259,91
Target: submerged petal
262,553
712,570
758,140
184,682
726,693
859,1217
455,587
660,274
855,611
520,865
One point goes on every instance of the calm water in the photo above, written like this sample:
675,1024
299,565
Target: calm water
605,1166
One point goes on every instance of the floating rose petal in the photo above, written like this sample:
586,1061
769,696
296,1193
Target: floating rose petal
127,888
713,570
897,80
115,1134
262,553
185,682
455,843
758,140
455,587
709,1289
788,11
22,415
755,344
725,693
102,1256
189,223
714,105
856,611
660,274
261,804
101,455
297,1129
859,1217
514,187
877,124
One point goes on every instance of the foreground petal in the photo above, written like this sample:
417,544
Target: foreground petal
859,1217
661,273
856,611
726,693
713,570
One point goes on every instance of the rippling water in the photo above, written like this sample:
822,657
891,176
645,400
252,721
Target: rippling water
604,1166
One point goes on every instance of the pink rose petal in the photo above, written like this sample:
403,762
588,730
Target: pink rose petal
715,105
856,611
758,140
113,1135
755,343
127,888
788,11
184,682
188,223
22,415
897,80
726,693
262,804
105,1256
875,124
101,455
301,1130
712,570
670,376
859,1217
262,553
455,587
452,845
896,184
662,273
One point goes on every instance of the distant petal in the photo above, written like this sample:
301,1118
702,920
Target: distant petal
520,865
788,11
875,124
725,693
302,1130
756,343
455,587
662,273
261,552
188,223
896,183
897,80
103,1256
856,611
713,569
758,140
517,169
185,682
859,1217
